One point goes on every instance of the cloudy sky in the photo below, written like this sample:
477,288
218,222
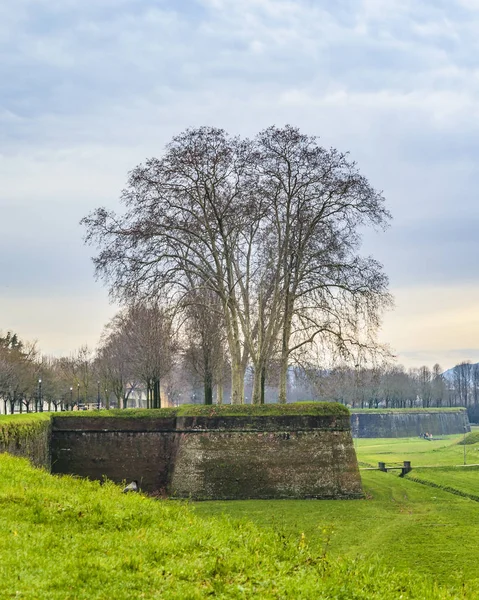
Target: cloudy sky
90,88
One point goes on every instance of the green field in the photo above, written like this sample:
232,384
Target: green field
408,526
421,452
64,538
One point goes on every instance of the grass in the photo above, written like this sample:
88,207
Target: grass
415,528
407,410
25,417
412,528
463,480
65,538
23,427
421,452
470,438
224,410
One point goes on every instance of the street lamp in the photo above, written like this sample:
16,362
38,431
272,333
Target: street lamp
98,396
71,397
78,396
40,403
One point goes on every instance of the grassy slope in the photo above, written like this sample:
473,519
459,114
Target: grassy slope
193,410
420,452
63,538
463,479
410,526
407,410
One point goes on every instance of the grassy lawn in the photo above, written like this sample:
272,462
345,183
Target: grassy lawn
64,538
463,479
407,525
443,452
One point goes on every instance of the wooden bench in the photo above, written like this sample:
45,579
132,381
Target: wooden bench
405,467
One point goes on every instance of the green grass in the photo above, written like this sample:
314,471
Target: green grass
23,427
421,452
226,410
64,538
24,417
407,410
464,480
411,527
471,438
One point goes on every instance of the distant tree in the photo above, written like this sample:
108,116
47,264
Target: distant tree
205,344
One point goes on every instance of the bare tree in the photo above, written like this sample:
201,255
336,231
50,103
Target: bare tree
269,226
204,331
319,201
150,335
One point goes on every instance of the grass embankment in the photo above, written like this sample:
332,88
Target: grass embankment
407,410
462,481
421,452
23,417
224,410
64,538
411,527
470,438
14,428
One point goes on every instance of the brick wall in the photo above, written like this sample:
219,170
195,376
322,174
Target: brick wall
213,457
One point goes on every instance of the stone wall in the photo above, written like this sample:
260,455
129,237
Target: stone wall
404,423
213,457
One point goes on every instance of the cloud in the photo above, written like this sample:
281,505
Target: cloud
90,89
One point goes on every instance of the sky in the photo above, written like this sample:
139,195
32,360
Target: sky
91,88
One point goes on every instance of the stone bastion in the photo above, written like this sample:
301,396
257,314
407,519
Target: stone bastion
215,457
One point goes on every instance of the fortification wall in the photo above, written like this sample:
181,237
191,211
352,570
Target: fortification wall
213,457
404,423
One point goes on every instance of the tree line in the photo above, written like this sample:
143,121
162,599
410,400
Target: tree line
142,353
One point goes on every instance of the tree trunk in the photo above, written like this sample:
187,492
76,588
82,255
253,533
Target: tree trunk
208,385
219,393
258,384
263,380
148,394
156,393
256,394
283,380
237,383
283,367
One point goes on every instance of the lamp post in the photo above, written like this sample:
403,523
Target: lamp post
40,403
71,397
98,396
78,396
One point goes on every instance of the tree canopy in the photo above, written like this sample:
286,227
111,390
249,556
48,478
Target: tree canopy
270,226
